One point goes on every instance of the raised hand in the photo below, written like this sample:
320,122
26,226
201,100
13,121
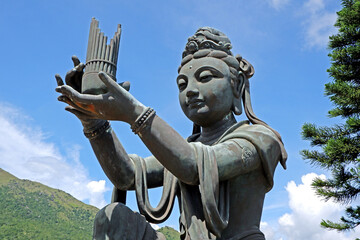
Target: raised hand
74,76
116,104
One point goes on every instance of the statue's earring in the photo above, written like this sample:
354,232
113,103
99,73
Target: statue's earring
238,89
236,106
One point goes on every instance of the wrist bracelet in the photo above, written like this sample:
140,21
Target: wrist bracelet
98,131
141,121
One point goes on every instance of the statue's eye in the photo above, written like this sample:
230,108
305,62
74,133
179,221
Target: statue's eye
182,83
205,76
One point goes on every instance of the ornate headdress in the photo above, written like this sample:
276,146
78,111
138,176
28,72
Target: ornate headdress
207,38
211,42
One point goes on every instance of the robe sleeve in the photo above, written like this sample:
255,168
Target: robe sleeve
215,194
162,211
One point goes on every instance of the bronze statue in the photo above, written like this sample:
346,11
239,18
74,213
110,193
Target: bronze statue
220,173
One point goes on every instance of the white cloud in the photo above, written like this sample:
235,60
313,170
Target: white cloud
96,187
97,190
318,23
307,211
25,153
278,4
267,230
314,5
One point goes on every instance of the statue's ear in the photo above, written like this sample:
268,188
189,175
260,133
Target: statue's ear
238,88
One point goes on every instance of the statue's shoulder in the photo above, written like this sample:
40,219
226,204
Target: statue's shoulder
245,126
245,130
261,136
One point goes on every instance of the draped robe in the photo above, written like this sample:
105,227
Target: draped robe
214,209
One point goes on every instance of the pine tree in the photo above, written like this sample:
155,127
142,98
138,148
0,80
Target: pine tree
340,144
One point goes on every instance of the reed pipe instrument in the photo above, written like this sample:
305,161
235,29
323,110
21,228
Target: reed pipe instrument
100,56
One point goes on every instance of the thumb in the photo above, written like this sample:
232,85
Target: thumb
108,81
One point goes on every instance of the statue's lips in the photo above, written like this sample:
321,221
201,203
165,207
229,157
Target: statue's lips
195,103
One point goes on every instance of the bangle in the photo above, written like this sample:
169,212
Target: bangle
98,131
141,121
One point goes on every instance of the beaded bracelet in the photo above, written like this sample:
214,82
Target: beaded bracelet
100,130
140,122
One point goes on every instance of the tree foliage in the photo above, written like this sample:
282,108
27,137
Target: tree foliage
340,144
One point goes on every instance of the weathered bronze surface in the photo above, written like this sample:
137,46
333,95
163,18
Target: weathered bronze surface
220,173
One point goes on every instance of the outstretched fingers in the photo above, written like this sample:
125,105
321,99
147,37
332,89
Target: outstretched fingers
59,80
77,97
73,77
75,60
81,115
78,66
80,107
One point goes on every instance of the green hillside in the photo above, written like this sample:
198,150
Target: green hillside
30,210
170,233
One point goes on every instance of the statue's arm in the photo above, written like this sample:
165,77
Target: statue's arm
233,157
169,148
119,166
110,153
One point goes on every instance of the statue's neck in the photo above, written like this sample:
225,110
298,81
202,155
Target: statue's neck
210,134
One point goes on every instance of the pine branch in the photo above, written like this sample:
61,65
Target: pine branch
352,220
319,136
344,187
340,144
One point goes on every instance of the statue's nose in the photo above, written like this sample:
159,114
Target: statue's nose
192,92
192,88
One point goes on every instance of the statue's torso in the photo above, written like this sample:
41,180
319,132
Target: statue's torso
247,193
246,196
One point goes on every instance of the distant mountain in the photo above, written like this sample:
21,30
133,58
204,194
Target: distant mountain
30,210
170,233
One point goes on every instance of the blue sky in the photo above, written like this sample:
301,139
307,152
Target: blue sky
285,40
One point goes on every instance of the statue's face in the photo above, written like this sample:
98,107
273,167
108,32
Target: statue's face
205,92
